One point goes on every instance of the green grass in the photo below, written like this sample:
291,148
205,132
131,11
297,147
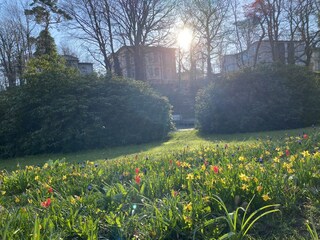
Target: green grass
189,187
177,141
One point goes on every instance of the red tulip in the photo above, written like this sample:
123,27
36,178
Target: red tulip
287,152
46,203
215,169
138,179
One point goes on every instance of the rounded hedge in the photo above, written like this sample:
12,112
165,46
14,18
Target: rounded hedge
270,97
58,113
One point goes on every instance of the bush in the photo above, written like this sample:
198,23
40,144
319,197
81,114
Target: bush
271,97
57,112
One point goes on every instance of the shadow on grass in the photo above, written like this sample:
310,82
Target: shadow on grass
77,157
175,142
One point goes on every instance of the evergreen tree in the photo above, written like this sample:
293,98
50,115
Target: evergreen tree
46,12
45,44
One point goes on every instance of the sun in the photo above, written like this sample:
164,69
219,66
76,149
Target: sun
185,39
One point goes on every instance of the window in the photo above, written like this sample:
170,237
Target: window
156,72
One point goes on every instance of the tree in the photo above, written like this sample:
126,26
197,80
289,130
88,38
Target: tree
207,18
92,23
46,58
270,15
46,12
15,42
45,44
142,23
302,16
244,32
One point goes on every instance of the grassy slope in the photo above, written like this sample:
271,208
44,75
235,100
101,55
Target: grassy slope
157,185
177,141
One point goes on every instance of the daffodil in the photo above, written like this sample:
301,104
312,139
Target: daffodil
276,160
190,176
305,153
45,166
188,207
244,177
265,197
244,187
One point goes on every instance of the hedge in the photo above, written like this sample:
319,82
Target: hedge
55,112
270,97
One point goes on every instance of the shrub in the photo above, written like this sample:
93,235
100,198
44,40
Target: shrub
270,97
57,112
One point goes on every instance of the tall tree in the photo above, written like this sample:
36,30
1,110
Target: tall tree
244,31
46,12
270,14
141,23
45,44
207,18
15,42
93,24
302,16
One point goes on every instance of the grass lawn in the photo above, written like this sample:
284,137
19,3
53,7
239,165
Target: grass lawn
177,141
255,186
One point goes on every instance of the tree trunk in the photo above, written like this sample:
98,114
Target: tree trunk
139,66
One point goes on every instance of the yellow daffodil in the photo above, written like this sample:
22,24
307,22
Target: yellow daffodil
188,207
259,188
316,155
244,177
293,158
265,197
280,153
305,154
276,160
185,165
244,187
190,176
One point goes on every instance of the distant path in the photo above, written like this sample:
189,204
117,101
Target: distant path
184,129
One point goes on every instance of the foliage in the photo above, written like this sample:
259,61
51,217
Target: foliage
240,225
47,12
45,45
169,195
59,111
312,230
270,97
